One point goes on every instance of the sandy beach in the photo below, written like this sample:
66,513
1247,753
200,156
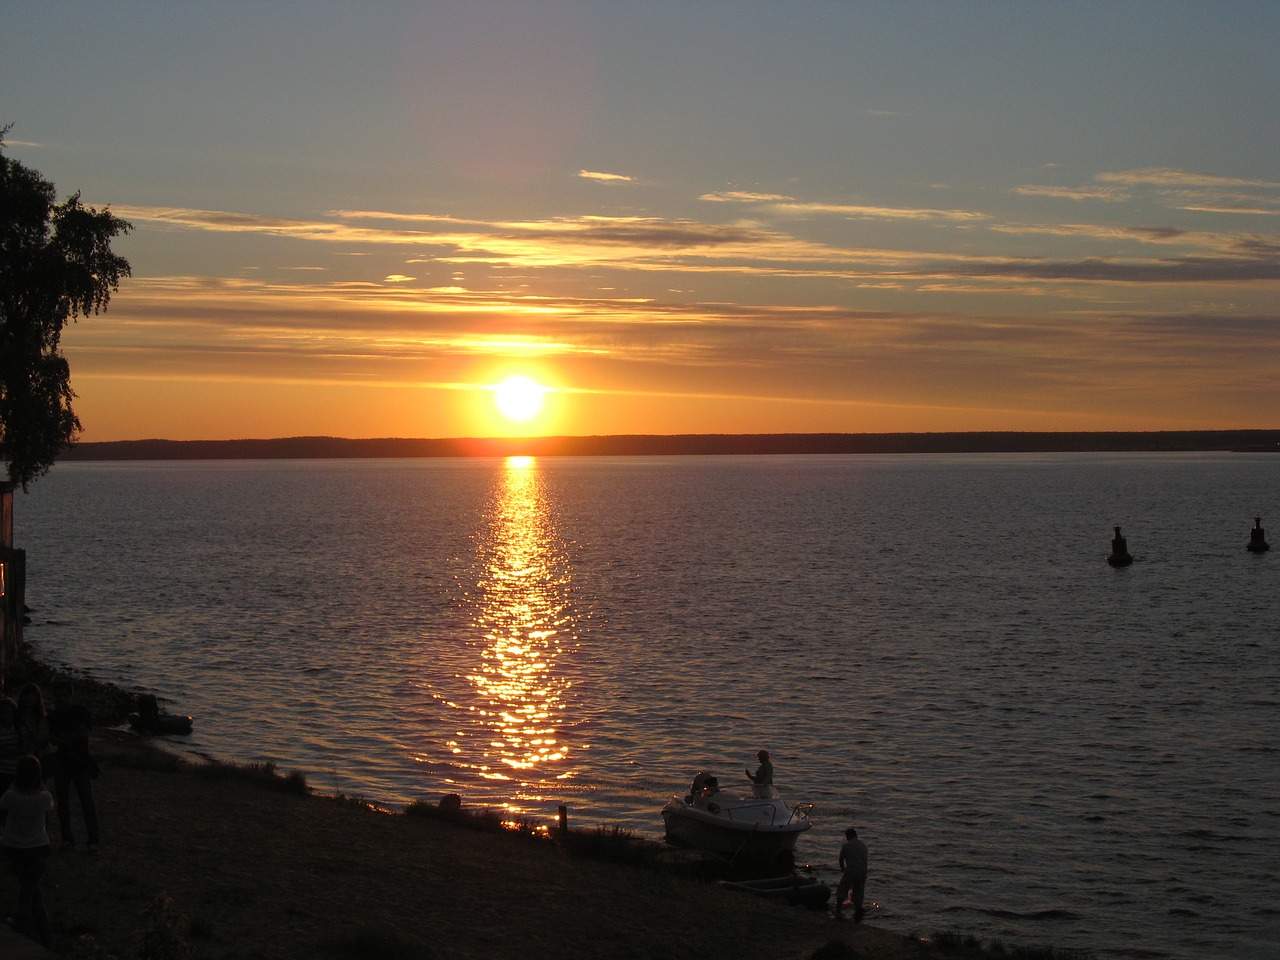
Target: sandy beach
251,870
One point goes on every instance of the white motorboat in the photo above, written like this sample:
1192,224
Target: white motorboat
747,826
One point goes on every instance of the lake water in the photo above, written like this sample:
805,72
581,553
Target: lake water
1036,747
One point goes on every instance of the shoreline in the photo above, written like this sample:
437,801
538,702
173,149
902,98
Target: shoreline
238,861
653,445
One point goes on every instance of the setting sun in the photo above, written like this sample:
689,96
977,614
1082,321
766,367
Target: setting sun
519,398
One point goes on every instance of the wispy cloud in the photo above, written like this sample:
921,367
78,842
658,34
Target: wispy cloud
1176,189
867,212
1198,240
1221,202
743,196
790,206
221,221
605,177
1092,192
387,337
1181,270
690,247
1163,176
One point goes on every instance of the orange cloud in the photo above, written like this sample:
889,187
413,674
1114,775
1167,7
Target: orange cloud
1178,189
789,206
605,177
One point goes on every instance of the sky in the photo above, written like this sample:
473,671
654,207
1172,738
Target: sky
356,219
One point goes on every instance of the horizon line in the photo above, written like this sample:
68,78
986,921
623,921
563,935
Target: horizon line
686,444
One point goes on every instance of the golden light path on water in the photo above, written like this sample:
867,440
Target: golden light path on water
515,705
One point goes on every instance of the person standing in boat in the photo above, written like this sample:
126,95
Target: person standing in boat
853,879
762,779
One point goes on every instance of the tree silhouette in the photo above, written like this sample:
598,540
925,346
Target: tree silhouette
56,265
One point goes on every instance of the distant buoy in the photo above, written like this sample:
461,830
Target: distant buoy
1257,537
1119,555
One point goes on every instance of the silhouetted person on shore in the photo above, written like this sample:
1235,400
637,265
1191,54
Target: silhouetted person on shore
73,767
27,805
10,746
853,879
762,779
33,723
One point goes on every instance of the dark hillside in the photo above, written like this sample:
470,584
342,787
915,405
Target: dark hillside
680,445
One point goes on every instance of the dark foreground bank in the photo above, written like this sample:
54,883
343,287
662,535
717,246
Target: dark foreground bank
215,861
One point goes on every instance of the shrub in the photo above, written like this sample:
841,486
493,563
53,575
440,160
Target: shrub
385,944
163,934
262,774
612,845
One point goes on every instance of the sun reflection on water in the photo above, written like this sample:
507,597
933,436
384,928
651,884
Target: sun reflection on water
523,623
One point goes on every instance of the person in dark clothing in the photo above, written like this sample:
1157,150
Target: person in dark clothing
25,843
33,724
10,744
853,878
73,766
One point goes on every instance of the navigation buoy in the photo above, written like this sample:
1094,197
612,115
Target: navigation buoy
1119,555
1257,537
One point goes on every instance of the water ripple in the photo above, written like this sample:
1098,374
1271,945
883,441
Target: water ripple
931,648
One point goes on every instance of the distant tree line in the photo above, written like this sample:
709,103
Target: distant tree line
319,448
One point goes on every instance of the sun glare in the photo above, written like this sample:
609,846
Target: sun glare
519,398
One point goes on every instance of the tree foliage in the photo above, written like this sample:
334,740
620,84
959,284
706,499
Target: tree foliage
56,265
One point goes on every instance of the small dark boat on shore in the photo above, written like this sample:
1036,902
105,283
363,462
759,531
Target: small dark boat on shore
151,719
800,891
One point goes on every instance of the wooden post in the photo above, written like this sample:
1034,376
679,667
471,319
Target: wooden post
13,579
564,819
13,576
6,515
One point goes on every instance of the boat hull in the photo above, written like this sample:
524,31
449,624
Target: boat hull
741,828
166,724
150,719
799,891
